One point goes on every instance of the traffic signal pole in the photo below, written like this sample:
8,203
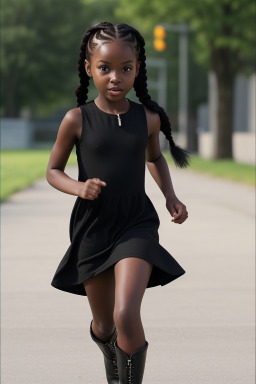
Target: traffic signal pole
160,85
183,29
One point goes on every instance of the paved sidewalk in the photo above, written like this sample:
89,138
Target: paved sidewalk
200,327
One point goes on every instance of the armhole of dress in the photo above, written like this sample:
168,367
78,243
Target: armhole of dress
78,142
145,118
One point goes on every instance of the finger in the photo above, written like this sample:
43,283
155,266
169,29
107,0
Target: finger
177,220
176,215
99,182
180,212
90,197
93,192
96,185
173,213
180,216
93,189
181,219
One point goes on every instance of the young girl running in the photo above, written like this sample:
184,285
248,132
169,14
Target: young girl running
114,252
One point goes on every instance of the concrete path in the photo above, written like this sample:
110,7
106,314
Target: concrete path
200,327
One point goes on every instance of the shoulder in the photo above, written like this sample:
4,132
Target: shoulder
74,116
153,121
73,121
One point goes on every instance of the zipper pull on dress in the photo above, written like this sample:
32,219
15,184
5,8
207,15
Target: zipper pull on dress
119,119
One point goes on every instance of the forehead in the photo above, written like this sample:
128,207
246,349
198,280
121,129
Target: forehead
113,51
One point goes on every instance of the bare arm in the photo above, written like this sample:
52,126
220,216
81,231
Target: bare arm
159,170
155,160
60,153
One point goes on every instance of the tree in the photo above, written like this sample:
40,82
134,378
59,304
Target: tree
40,50
225,44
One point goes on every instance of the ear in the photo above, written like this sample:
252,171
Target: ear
137,68
87,67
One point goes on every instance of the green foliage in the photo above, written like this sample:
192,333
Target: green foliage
145,15
225,24
41,41
222,30
40,51
36,36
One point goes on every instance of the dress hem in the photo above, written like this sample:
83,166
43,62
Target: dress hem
77,288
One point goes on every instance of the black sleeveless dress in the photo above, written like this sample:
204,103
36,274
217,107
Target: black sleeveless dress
122,222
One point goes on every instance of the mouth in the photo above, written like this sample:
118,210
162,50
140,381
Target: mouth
115,91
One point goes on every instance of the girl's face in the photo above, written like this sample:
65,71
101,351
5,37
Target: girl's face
113,67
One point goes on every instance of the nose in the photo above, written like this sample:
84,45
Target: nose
115,78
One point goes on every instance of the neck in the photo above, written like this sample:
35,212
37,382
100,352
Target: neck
115,107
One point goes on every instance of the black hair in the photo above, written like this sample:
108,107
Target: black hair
107,31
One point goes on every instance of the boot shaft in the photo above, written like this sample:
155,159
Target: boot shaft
109,354
131,367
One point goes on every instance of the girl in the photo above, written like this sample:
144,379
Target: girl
115,253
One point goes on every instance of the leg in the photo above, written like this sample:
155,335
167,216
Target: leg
100,291
131,276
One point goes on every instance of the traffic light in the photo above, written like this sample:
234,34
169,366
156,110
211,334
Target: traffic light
159,36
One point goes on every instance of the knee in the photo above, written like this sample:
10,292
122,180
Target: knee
125,319
103,328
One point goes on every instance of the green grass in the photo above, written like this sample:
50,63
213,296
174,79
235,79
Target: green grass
223,168
20,168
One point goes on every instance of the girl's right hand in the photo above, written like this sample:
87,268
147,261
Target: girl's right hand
91,188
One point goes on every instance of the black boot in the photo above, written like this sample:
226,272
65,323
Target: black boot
109,353
131,368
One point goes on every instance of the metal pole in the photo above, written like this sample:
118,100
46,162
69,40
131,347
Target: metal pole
162,81
183,29
183,87
161,86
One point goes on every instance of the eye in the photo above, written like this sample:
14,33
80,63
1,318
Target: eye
127,69
103,66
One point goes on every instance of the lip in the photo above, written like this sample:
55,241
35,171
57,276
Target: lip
115,89
115,92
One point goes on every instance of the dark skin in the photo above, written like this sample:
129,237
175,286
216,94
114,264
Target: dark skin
71,128
115,295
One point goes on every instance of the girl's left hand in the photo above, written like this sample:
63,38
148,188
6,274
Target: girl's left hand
177,209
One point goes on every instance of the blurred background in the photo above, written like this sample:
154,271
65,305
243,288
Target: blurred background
200,63
201,68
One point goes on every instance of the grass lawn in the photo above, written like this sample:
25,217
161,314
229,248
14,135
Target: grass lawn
20,168
223,168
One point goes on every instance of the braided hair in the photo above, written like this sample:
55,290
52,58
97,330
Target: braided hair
124,32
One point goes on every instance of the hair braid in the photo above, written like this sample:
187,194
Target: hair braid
180,156
129,34
81,91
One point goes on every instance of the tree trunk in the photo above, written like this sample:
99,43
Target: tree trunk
221,64
224,148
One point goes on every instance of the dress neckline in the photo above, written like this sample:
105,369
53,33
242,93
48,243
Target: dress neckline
113,114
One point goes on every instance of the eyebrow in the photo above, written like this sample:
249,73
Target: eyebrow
108,62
